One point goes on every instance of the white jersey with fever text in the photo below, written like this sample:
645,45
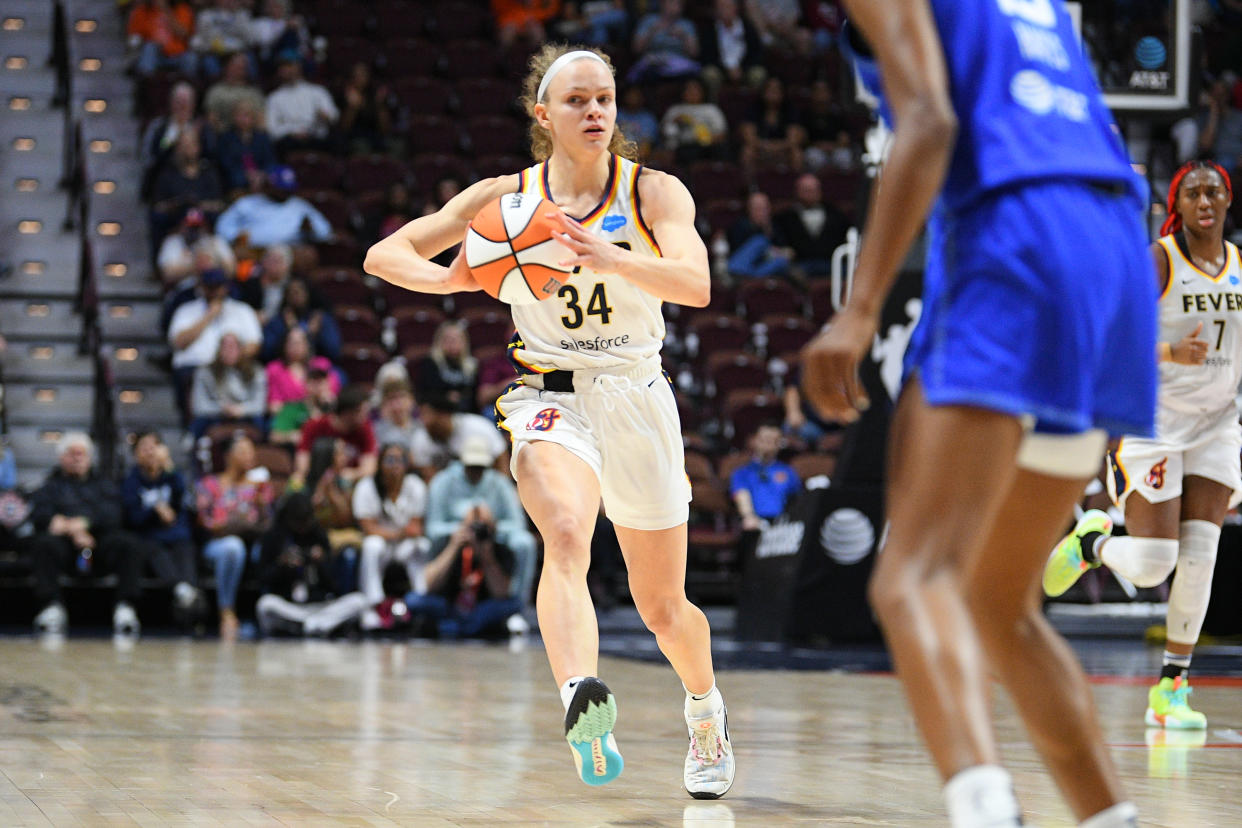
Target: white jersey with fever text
1192,297
597,320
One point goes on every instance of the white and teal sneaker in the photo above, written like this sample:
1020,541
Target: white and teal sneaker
709,768
588,728
1067,563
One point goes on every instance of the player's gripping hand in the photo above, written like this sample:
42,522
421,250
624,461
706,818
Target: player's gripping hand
1190,349
587,249
830,366
460,278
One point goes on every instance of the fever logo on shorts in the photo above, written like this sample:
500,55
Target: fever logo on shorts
544,420
1155,477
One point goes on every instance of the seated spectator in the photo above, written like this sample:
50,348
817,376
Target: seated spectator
694,129
349,422
397,211
523,20
447,187
756,249
763,487
495,377
367,112
264,290
448,369
778,24
593,22
470,583
636,121
732,51
160,31
189,181
826,128
300,114
811,227
76,518
771,134
198,325
234,509
471,491
445,432
389,507
221,30
178,258
300,309
802,422
278,30
666,45
298,591
1221,136
231,389
233,88
396,422
275,216
300,385
157,513
14,508
159,139
331,488
245,150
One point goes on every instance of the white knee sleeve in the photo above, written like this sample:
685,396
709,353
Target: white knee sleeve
1192,585
1145,562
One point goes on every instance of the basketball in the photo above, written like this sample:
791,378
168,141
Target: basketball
510,250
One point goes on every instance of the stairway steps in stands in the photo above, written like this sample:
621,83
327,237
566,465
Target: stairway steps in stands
37,361
144,406
47,403
51,320
128,322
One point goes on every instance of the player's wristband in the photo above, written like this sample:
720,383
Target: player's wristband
1164,352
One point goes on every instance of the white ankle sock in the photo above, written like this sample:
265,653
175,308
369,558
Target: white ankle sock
982,796
1121,815
705,705
567,690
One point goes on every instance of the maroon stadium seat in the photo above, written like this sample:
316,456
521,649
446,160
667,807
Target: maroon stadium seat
373,172
761,297
495,135
416,324
410,57
358,323
433,134
316,170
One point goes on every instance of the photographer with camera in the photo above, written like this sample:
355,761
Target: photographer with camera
469,584
471,485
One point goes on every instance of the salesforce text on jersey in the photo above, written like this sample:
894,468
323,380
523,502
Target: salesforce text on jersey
599,343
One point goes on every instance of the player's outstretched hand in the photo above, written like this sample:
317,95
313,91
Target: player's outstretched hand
1190,349
830,366
588,249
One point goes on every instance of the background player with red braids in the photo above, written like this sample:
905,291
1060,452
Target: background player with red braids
596,422
1176,488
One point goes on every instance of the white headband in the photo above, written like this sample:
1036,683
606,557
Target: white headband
559,64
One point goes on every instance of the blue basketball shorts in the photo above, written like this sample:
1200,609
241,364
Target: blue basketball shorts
1040,301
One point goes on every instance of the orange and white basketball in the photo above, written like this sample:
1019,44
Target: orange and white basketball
510,249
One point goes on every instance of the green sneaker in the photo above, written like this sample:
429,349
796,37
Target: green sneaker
1066,565
1167,706
589,722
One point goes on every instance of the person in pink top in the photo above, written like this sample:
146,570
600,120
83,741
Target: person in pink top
289,380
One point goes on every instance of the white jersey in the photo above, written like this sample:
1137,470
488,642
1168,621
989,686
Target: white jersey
1191,297
597,320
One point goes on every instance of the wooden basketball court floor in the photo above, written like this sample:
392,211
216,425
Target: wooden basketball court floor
179,732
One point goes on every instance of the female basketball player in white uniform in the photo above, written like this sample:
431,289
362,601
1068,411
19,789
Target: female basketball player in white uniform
592,414
1176,488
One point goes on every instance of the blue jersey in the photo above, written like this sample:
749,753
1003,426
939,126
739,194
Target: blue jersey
1027,105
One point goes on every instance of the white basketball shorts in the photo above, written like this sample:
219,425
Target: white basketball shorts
1155,468
625,426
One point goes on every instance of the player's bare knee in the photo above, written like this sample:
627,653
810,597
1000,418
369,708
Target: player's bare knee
659,612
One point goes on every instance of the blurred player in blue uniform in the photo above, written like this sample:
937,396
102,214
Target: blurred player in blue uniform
1037,342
